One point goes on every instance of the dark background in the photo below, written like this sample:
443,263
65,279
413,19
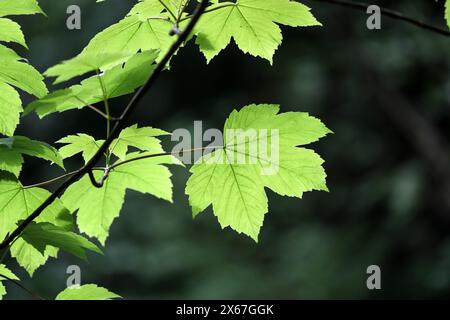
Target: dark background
385,94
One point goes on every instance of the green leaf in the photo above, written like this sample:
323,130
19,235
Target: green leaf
252,24
81,143
447,12
19,7
10,109
8,273
97,208
233,177
113,83
15,73
140,138
10,32
85,63
145,28
41,235
12,149
87,292
20,74
17,203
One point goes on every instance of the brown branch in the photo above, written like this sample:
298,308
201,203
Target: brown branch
117,128
390,13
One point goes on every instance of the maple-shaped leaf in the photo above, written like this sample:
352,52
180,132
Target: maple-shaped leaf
98,207
12,149
16,204
146,27
86,292
253,24
143,139
15,73
44,234
118,81
80,143
260,149
4,271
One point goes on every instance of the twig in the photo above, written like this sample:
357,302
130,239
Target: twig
117,128
18,284
390,13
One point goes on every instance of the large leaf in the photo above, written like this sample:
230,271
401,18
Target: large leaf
252,24
113,83
98,207
12,149
86,292
16,204
260,152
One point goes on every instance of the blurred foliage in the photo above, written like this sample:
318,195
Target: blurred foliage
385,206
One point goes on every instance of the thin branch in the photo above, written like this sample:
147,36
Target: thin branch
117,128
168,9
390,13
21,286
90,106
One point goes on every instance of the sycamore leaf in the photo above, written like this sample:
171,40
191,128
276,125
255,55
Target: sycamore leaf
10,109
10,32
20,74
146,27
12,149
253,24
17,203
19,7
260,150
81,143
86,292
4,271
41,235
15,73
113,83
98,207
140,138
85,63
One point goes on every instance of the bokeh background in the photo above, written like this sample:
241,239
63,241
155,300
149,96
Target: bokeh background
385,94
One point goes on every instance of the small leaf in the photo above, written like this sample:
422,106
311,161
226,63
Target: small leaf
4,271
87,292
118,81
19,7
12,149
81,143
140,138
